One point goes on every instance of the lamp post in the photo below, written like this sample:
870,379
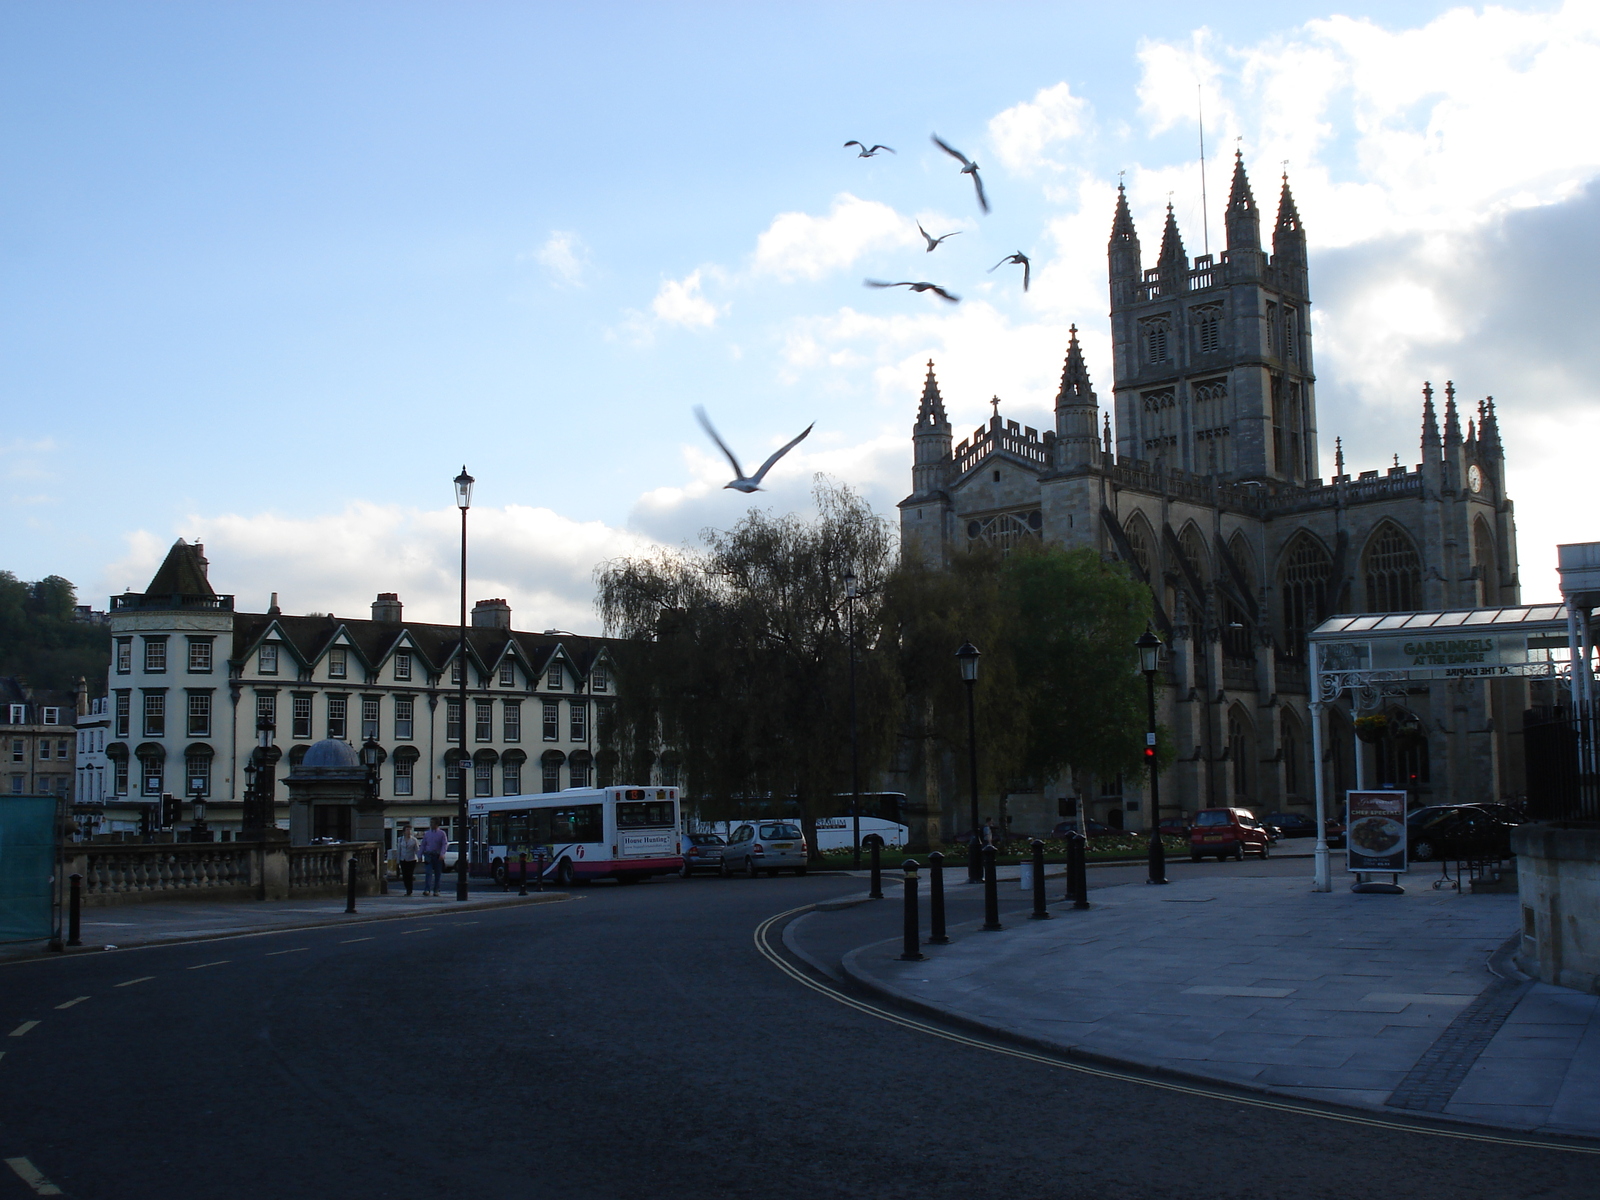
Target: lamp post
1149,660
197,793
463,484
967,656
850,594
252,818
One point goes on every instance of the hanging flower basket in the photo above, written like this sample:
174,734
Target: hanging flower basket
1372,729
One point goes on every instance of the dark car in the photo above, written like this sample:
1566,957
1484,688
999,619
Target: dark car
1096,829
1457,831
1174,827
701,852
1296,825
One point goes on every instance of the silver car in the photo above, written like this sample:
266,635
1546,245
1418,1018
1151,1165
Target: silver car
769,846
701,852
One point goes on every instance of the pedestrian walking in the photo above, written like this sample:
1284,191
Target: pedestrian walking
433,844
407,851
988,832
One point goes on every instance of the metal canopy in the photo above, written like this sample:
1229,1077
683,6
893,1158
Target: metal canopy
1365,652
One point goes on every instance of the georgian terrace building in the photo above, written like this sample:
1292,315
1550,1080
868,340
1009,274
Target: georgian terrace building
198,690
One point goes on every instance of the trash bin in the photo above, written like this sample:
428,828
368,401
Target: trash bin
1027,876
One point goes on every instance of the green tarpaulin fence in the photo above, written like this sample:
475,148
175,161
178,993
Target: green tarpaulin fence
27,863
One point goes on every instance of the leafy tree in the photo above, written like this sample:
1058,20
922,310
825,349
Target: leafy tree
41,640
739,657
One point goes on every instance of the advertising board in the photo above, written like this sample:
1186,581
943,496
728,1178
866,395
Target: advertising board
1375,832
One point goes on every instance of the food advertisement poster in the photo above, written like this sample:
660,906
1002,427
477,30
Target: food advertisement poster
1375,831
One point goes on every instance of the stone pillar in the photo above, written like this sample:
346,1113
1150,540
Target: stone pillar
1558,882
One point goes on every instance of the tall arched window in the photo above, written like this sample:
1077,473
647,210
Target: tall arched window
1194,552
1393,571
1484,559
1293,741
1304,587
1236,639
1140,539
1241,749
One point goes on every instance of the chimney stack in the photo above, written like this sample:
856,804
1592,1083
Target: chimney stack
386,607
491,614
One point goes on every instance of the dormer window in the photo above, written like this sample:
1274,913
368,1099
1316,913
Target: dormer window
553,679
601,681
508,675
402,665
337,663
267,659
455,672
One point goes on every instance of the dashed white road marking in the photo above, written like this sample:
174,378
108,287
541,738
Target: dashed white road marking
31,1175
296,950
74,1000
131,982
23,1028
218,963
347,941
416,931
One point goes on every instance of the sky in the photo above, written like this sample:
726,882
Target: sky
271,273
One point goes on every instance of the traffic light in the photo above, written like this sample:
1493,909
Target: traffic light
169,810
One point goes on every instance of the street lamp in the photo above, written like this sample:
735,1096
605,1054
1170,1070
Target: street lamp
197,792
850,594
252,822
463,484
967,656
1149,661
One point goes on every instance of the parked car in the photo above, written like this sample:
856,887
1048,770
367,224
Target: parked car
701,852
1174,826
1227,833
769,846
1457,831
452,851
1096,829
1295,825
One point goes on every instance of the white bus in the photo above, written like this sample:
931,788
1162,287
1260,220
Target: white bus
622,833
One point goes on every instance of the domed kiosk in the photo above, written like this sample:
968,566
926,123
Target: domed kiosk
330,796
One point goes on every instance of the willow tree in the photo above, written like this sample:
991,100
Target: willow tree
736,659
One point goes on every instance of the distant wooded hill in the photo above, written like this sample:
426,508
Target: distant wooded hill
42,640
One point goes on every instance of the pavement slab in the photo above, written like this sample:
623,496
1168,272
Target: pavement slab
1380,1002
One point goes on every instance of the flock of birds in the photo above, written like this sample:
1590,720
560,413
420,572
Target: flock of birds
968,167
752,483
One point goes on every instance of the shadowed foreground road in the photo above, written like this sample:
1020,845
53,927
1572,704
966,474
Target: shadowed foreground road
630,1043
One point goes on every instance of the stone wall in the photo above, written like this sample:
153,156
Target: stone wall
123,873
1558,879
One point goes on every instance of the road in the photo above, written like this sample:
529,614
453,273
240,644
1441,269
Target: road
629,1043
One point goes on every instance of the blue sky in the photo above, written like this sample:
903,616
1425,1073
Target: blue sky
272,272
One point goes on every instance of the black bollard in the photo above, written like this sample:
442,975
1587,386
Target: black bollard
937,935
1077,871
538,862
350,887
522,862
75,911
877,872
1040,913
991,891
911,951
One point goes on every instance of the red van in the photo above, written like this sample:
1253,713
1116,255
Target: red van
1227,833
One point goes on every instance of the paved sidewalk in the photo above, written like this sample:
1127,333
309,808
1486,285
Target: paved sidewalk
1382,1002
126,926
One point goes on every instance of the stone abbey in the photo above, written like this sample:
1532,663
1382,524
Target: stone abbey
1206,483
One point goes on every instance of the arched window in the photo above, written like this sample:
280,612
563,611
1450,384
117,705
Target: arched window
578,768
1140,539
1293,741
1236,639
1241,751
1304,587
511,772
1487,564
455,769
1193,547
1393,571
483,773
405,770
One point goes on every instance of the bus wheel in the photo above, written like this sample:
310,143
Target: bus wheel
564,873
500,875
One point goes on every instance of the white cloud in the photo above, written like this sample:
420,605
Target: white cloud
540,561
1023,132
798,245
565,256
680,302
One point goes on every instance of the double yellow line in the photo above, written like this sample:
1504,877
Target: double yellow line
1343,1116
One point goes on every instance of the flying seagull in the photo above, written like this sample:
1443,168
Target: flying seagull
742,483
934,241
1018,257
916,287
968,167
868,152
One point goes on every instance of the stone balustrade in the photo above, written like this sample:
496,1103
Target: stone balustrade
127,873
